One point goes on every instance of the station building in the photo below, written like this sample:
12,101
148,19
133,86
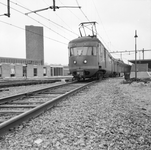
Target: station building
33,66
25,68
142,65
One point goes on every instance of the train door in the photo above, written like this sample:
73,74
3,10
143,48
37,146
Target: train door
111,65
99,56
114,68
105,57
0,71
117,67
108,61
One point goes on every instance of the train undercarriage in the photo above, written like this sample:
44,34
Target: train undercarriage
82,75
98,75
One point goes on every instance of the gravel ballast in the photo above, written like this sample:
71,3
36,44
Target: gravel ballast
20,89
106,116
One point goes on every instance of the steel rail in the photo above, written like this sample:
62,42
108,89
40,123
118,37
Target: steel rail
11,83
4,127
25,94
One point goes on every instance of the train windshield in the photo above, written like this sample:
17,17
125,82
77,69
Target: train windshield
82,51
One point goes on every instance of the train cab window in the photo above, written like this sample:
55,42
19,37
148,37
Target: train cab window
91,51
71,52
77,51
94,51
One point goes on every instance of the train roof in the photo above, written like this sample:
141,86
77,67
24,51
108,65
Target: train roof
85,39
93,39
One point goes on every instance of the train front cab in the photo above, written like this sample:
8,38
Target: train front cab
83,59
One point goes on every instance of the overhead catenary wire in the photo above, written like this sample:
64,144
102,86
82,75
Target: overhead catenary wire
44,18
100,19
54,7
42,23
32,32
37,21
82,11
48,28
45,2
64,22
49,19
89,28
72,12
58,16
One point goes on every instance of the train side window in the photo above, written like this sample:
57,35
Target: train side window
71,51
94,51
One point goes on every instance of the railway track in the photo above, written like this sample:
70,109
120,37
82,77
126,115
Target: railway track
12,83
20,107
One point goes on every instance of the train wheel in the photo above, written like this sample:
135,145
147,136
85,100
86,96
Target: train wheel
73,79
78,79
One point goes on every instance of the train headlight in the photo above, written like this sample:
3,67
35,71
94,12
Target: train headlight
85,61
74,61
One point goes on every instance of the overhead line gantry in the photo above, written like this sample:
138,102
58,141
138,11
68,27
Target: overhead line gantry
54,7
131,51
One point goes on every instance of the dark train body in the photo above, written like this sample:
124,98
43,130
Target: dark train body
88,58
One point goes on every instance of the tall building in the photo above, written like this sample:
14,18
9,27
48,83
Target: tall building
34,43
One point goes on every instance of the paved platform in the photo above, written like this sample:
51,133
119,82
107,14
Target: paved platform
141,75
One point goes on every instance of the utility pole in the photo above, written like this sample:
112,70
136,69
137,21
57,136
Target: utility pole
135,54
54,5
8,9
143,53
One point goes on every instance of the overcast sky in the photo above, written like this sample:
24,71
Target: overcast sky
117,21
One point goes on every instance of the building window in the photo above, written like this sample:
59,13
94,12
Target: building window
35,72
12,72
25,71
51,71
55,71
44,71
